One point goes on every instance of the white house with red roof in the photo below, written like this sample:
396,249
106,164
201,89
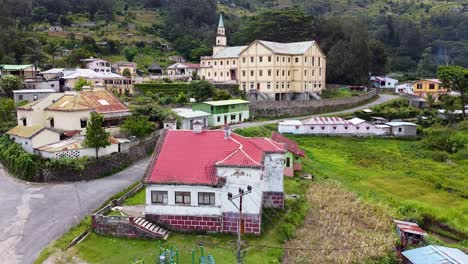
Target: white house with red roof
193,171
182,69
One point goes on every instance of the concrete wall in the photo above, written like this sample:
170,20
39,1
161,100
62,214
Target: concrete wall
402,131
296,108
29,96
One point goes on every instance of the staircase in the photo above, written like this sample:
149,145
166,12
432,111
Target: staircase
151,228
314,95
256,95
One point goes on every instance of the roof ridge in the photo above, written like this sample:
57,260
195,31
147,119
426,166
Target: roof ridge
241,149
270,141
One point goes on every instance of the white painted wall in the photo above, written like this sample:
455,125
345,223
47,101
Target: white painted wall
274,173
362,129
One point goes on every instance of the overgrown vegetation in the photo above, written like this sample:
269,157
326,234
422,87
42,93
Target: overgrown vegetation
19,162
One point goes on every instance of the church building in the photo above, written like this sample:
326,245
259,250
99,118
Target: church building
268,70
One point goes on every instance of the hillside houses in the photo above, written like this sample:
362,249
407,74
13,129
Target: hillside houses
193,172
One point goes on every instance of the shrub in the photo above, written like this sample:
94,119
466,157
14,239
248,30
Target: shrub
287,231
166,89
410,212
138,126
74,164
18,162
219,94
443,139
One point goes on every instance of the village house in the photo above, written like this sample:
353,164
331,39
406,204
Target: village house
39,83
155,69
423,88
410,233
404,88
267,70
71,111
383,82
193,172
183,70
31,137
337,126
22,71
293,156
176,58
189,116
111,81
119,67
30,95
224,112
97,65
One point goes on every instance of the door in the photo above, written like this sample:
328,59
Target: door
233,75
258,86
225,120
288,162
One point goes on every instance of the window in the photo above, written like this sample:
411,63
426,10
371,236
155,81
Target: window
260,73
52,123
251,59
399,129
289,59
260,59
182,197
283,73
269,72
305,59
305,73
419,86
252,73
289,73
252,86
227,62
244,85
323,128
313,73
277,72
209,74
218,119
24,121
215,74
215,63
357,128
221,63
205,198
284,59
346,127
282,85
243,73
243,60
227,74
277,59
233,62
83,123
20,97
312,127
159,197
313,61
431,86
319,61
320,72
269,58
288,85
334,128
277,85
367,128
233,117
268,85
221,74
297,60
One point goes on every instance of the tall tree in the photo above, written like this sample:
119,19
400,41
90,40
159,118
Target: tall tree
455,78
96,136
34,54
9,83
53,48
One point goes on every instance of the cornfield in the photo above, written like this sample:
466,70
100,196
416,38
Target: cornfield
340,228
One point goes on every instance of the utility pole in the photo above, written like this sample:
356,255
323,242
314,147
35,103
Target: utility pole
240,226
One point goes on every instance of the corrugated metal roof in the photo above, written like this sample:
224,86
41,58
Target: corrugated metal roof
356,121
293,48
226,102
25,131
327,121
34,91
189,113
409,227
14,67
230,52
400,124
101,101
291,123
436,255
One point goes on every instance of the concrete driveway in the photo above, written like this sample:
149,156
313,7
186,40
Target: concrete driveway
33,215
383,98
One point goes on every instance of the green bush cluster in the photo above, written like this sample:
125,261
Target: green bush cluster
166,89
444,139
78,164
297,210
20,163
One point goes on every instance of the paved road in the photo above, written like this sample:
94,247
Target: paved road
382,99
33,215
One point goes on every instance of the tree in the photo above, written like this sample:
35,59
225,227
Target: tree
126,72
53,48
9,83
137,126
455,78
201,90
35,54
96,136
377,57
81,83
130,53
430,99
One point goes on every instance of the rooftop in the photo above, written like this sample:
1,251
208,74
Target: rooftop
293,48
327,121
291,145
89,74
25,131
13,67
436,255
184,65
409,227
185,157
73,143
400,124
34,91
356,121
291,123
189,113
226,102
230,52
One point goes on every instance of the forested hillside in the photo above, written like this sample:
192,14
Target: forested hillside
409,38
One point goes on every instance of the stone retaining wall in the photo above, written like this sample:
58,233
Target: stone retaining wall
118,226
298,108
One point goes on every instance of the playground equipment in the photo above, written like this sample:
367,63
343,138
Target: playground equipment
203,259
167,255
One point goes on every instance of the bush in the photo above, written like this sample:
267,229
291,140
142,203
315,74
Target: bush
74,164
219,94
166,89
18,162
287,231
410,212
137,126
443,139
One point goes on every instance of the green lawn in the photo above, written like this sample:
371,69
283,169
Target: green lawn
394,171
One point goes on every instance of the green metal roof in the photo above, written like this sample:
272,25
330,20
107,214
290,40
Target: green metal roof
221,21
226,102
12,67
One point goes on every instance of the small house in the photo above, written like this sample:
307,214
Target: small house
22,71
293,156
423,88
362,127
155,69
403,129
121,66
97,65
434,255
291,126
189,116
176,58
404,88
410,233
418,102
224,112
182,69
194,174
383,82
31,137
378,120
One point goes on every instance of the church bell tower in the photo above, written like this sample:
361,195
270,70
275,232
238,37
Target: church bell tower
221,40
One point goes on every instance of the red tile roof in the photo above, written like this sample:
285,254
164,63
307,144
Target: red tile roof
185,157
291,145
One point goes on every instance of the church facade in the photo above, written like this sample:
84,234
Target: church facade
276,71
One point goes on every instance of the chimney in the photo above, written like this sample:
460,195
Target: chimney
197,126
227,131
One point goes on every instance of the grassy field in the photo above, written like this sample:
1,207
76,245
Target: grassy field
397,172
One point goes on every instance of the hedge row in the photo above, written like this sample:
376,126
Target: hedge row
18,162
166,89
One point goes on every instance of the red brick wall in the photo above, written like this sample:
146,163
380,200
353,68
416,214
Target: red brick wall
226,224
187,223
273,200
